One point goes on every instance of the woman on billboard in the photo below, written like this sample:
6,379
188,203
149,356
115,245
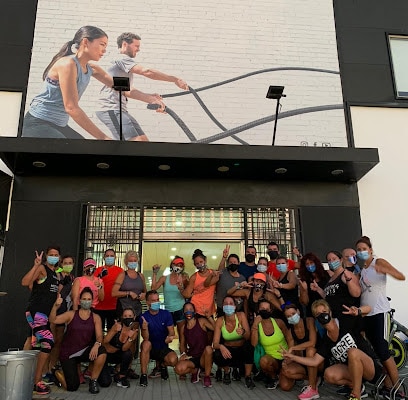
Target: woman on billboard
66,78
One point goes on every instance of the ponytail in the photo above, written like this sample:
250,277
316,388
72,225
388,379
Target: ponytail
65,50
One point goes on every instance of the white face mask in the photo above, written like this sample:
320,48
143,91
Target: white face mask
178,270
261,268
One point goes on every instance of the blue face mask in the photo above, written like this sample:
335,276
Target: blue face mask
294,319
52,260
109,260
261,268
333,265
282,267
155,306
311,268
188,314
228,309
352,259
133,264
363,255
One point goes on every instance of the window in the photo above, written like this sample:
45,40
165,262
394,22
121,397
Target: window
399,62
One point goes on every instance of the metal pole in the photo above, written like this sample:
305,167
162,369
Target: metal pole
120,114
276,121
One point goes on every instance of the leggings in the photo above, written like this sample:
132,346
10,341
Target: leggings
244,353
42,336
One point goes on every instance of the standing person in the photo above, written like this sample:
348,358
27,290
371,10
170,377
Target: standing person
125,66
44,283
273,253
66,78
373,282
109,273
248,268
157,334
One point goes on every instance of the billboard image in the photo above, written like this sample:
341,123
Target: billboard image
197,73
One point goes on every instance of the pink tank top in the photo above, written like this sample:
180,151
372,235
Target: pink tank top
203,297
85,282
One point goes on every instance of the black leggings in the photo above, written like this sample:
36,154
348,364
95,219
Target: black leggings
124,358
244,353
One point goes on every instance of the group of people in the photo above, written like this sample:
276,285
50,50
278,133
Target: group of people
67,77
272,320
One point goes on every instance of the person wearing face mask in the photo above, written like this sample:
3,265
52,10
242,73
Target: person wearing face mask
109,272
350,261
43,282
88,280
157,333
303,331
273,335
273,253
373,282
353,356
195,352
118,342
247,268
231,342
79,344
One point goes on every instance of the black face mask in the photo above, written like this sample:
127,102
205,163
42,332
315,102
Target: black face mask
265,314
250,258
127,321
273,254
232,267
324,318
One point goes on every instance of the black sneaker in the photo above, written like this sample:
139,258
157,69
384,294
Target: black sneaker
344,391
259,376
249,383
271,384
218,375
227,378
93,386
123,382
116,378
131,374
236,376
164,373
143,380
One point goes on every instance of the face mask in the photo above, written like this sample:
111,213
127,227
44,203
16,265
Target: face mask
265,314
324,318
201,267
261,268
52,260
333,265
67,268
228,309
363,255
352,259
311,268
250,258
133,265
89,271
273,254
189,314
232,267
178,270
127,321
294,319
155,306
109,260
85,304
259,286
282,267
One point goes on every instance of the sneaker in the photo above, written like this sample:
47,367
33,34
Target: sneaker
143,380
207,382
123,382
195,376
48,379
131,374
249,383
259,376
236,376
218,375
227,378
271,384
363,393
352,397
116,378
41,388
386,394
309,394
344,391
93,386
155,373
164,373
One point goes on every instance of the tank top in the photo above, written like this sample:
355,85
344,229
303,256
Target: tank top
130,285
196,340
297,339
49,104
203,297
79,335
289,295
173,300
373,287
85,282
115,341
43,295
230,336
272,344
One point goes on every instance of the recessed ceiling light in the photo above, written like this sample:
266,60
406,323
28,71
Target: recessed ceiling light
281,170
223,168
213,257
171,257
164,167
337,172
102,165
39,164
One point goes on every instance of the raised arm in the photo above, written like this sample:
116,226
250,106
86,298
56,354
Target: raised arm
157,283
35,272
352,282
384,267
224,257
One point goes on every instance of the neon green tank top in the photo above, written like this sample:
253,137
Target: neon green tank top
230,336
272,344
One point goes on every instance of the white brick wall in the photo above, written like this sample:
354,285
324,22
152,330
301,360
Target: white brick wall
205,43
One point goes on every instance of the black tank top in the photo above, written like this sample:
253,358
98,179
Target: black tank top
289,295
297,339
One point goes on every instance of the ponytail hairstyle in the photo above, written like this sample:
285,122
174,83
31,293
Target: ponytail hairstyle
89,32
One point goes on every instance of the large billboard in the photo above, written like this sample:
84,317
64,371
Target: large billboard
210,64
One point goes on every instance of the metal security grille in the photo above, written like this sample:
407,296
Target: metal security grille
266,225
116,227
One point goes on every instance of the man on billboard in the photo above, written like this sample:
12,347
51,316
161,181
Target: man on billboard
125,66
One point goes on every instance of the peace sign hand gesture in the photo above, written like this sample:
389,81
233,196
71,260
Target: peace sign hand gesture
38,258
